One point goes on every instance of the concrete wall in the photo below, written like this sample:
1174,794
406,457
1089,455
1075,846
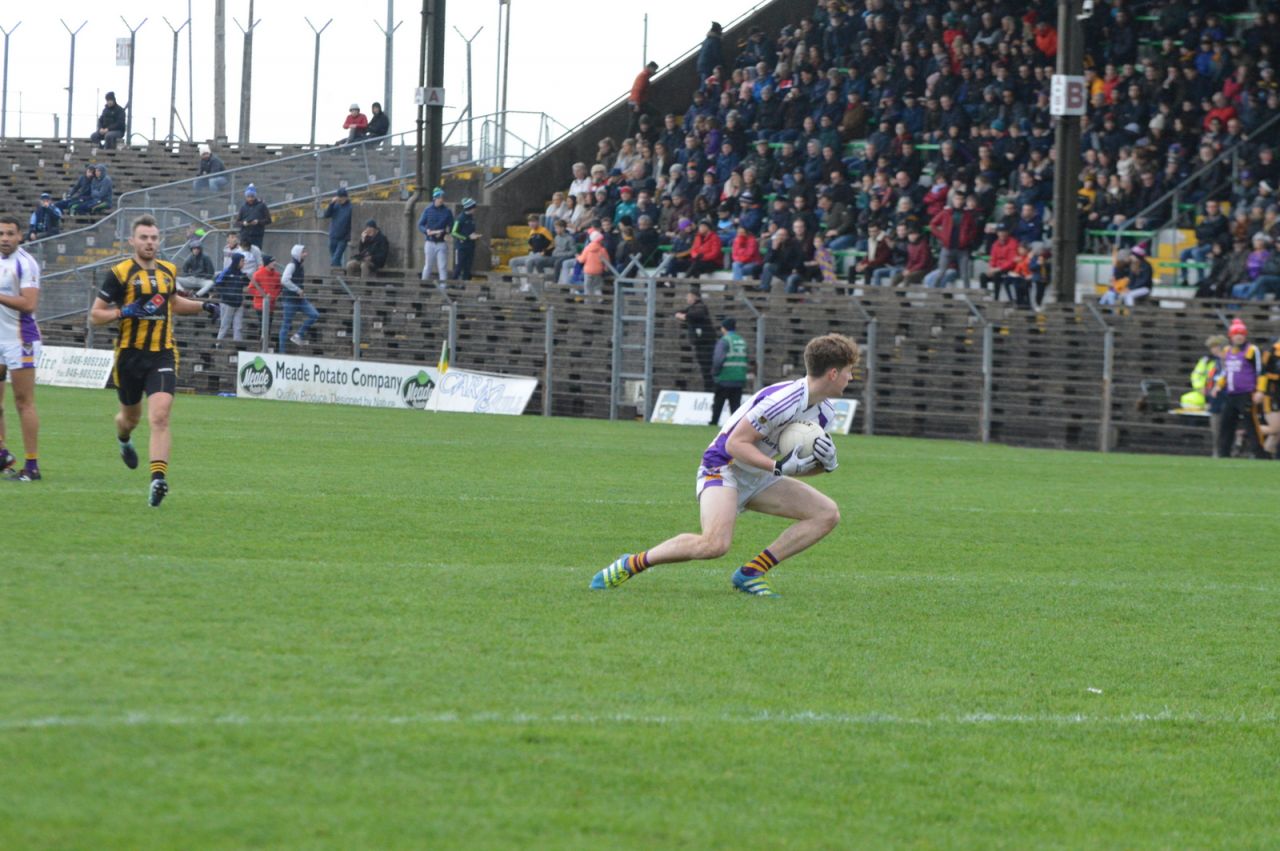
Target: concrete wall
530,185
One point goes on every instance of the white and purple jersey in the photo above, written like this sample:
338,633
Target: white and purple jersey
769,412
18,271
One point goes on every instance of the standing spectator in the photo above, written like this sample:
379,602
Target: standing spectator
379,123
253,218
208,176
292,281
702,333
957,229
711,54
339,214
265,287
464,241
356,125
197,271
1238,384
593,258
638,100
371,254
729,368
112,124
541,243
78,193
230,286
46,219
435,223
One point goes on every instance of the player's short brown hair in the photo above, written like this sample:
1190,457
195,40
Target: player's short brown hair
10,219
143,221
830,351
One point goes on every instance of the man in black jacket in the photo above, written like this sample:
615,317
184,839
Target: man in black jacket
379,123
111,124
702,334
1213,227
253,218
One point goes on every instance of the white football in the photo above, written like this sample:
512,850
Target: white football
802,434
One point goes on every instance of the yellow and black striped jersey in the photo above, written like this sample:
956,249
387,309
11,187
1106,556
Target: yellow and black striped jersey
127,282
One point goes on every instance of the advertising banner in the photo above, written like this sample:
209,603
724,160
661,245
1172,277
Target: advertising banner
294,378
689,408
62,366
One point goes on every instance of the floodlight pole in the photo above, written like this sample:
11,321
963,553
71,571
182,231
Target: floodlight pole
133,41
470,109
504,59
4,100
246,75
191,79
315,75
389,31
1066,171
173,73
220,71
71,74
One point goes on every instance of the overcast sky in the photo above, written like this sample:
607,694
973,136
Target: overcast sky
568,58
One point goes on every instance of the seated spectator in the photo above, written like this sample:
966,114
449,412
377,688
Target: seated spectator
707,253
826,262
46,219
785,260
1253,266
1268,280
557,210
371,253
919,258
197,270
356,125
541,243
112,124
101,193
208,176
745,254
878,253
1004,256
379,123
1134,285
78,193
647,242
1226,266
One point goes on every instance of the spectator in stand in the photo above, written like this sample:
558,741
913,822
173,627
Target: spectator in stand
541,244
707,253
464,240
745,254
919,258
1212,227
1253,267
556,210
230,286
292,281
208,177
1133,286
879,252
356,124
253,218
101,193
826,263
1003,258
197,270
434,224
78,193
711,54
957,230
647,242
112,124
46,219
785,260
638,100
581,182
677,260
338,212
265,287
379,122
594,259
371,254
1268,280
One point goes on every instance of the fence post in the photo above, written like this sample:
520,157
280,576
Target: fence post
1108,371
356,314
266,323
988,346
760,338
549,347
869,384
452,309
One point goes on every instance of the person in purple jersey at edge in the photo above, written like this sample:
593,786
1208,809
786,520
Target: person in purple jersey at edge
19,343
738,472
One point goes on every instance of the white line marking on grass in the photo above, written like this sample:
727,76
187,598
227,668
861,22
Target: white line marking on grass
816,719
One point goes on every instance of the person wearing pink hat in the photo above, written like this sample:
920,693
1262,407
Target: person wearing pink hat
593,258
1239,385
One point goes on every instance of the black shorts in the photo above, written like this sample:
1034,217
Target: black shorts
137,372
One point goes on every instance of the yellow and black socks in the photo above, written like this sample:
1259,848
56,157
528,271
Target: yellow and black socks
159,469
761,564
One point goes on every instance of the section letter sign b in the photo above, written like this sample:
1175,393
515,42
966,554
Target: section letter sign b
1067,95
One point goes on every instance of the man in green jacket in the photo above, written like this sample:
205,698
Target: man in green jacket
729,366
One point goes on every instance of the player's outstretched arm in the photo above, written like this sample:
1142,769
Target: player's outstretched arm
184,306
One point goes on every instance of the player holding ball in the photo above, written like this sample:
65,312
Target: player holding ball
739,473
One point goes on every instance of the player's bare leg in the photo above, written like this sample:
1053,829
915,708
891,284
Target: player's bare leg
815,514
126,421
158,407
24,399
7,458
718,507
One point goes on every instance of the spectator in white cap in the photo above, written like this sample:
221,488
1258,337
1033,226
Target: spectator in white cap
207,177
356,125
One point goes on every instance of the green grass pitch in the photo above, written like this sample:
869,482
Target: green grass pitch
352,628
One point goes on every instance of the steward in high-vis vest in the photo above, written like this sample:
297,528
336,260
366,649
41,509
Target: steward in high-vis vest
1201,375
729,367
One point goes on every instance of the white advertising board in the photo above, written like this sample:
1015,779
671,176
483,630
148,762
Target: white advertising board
677,407
62,366
293,378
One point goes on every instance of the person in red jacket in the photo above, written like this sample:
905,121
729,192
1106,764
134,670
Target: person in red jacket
356,125
1004,256
707,254
638,100
919,258
957,230
746,257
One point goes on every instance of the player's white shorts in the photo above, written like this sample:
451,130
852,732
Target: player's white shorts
748,483
21,355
